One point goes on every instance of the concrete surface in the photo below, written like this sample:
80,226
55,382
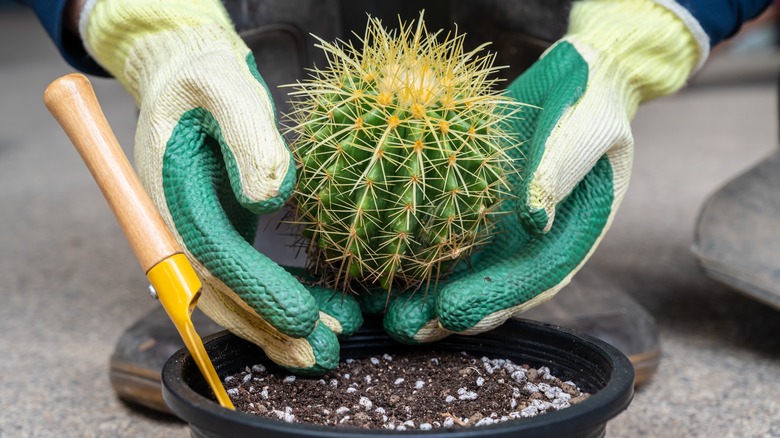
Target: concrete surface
69,284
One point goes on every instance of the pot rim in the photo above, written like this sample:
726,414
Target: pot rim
596,410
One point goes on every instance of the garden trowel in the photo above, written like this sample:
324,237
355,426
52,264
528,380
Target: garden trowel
72,101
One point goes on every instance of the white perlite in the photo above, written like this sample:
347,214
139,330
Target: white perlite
519,376
387,357
487,421
399,381
530,411
419,384
285,415
258,368
289,379
366,403
464,394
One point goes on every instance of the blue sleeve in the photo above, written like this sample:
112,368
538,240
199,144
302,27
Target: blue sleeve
50,13
722,18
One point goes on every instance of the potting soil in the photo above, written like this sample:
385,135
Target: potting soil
415,391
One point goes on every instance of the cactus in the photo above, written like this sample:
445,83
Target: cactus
402,159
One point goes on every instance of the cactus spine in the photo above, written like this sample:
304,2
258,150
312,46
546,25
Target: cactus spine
401,157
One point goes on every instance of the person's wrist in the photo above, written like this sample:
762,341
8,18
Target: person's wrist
134,40
647,46
72,13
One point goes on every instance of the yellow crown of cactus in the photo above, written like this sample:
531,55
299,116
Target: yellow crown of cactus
401,157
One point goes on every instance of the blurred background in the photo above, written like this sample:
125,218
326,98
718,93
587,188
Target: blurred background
69,284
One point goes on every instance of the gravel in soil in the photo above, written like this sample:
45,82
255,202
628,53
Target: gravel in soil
420,391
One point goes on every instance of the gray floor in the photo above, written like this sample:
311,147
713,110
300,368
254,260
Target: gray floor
69,284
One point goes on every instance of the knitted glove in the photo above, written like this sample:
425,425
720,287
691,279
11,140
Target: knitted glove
575,157
210,156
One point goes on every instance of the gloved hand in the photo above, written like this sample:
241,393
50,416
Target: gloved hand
575,160
209,154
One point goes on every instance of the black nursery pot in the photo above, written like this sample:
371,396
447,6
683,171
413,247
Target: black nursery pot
595,366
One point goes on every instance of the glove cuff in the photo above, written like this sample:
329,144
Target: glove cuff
132,40
653,50
695,28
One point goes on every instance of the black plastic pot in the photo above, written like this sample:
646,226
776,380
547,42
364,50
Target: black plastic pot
595,366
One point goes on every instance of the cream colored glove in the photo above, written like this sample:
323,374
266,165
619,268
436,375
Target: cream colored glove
629,51
210,156
575,155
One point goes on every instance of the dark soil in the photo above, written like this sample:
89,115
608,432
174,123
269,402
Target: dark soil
417,391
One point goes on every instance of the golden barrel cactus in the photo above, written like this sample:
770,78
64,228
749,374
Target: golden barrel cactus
401,157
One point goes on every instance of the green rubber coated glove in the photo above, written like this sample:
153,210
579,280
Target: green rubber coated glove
210,156
575,156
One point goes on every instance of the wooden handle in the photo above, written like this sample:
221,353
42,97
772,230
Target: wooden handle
72,101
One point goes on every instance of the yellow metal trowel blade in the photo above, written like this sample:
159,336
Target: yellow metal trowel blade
178,289
72,101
